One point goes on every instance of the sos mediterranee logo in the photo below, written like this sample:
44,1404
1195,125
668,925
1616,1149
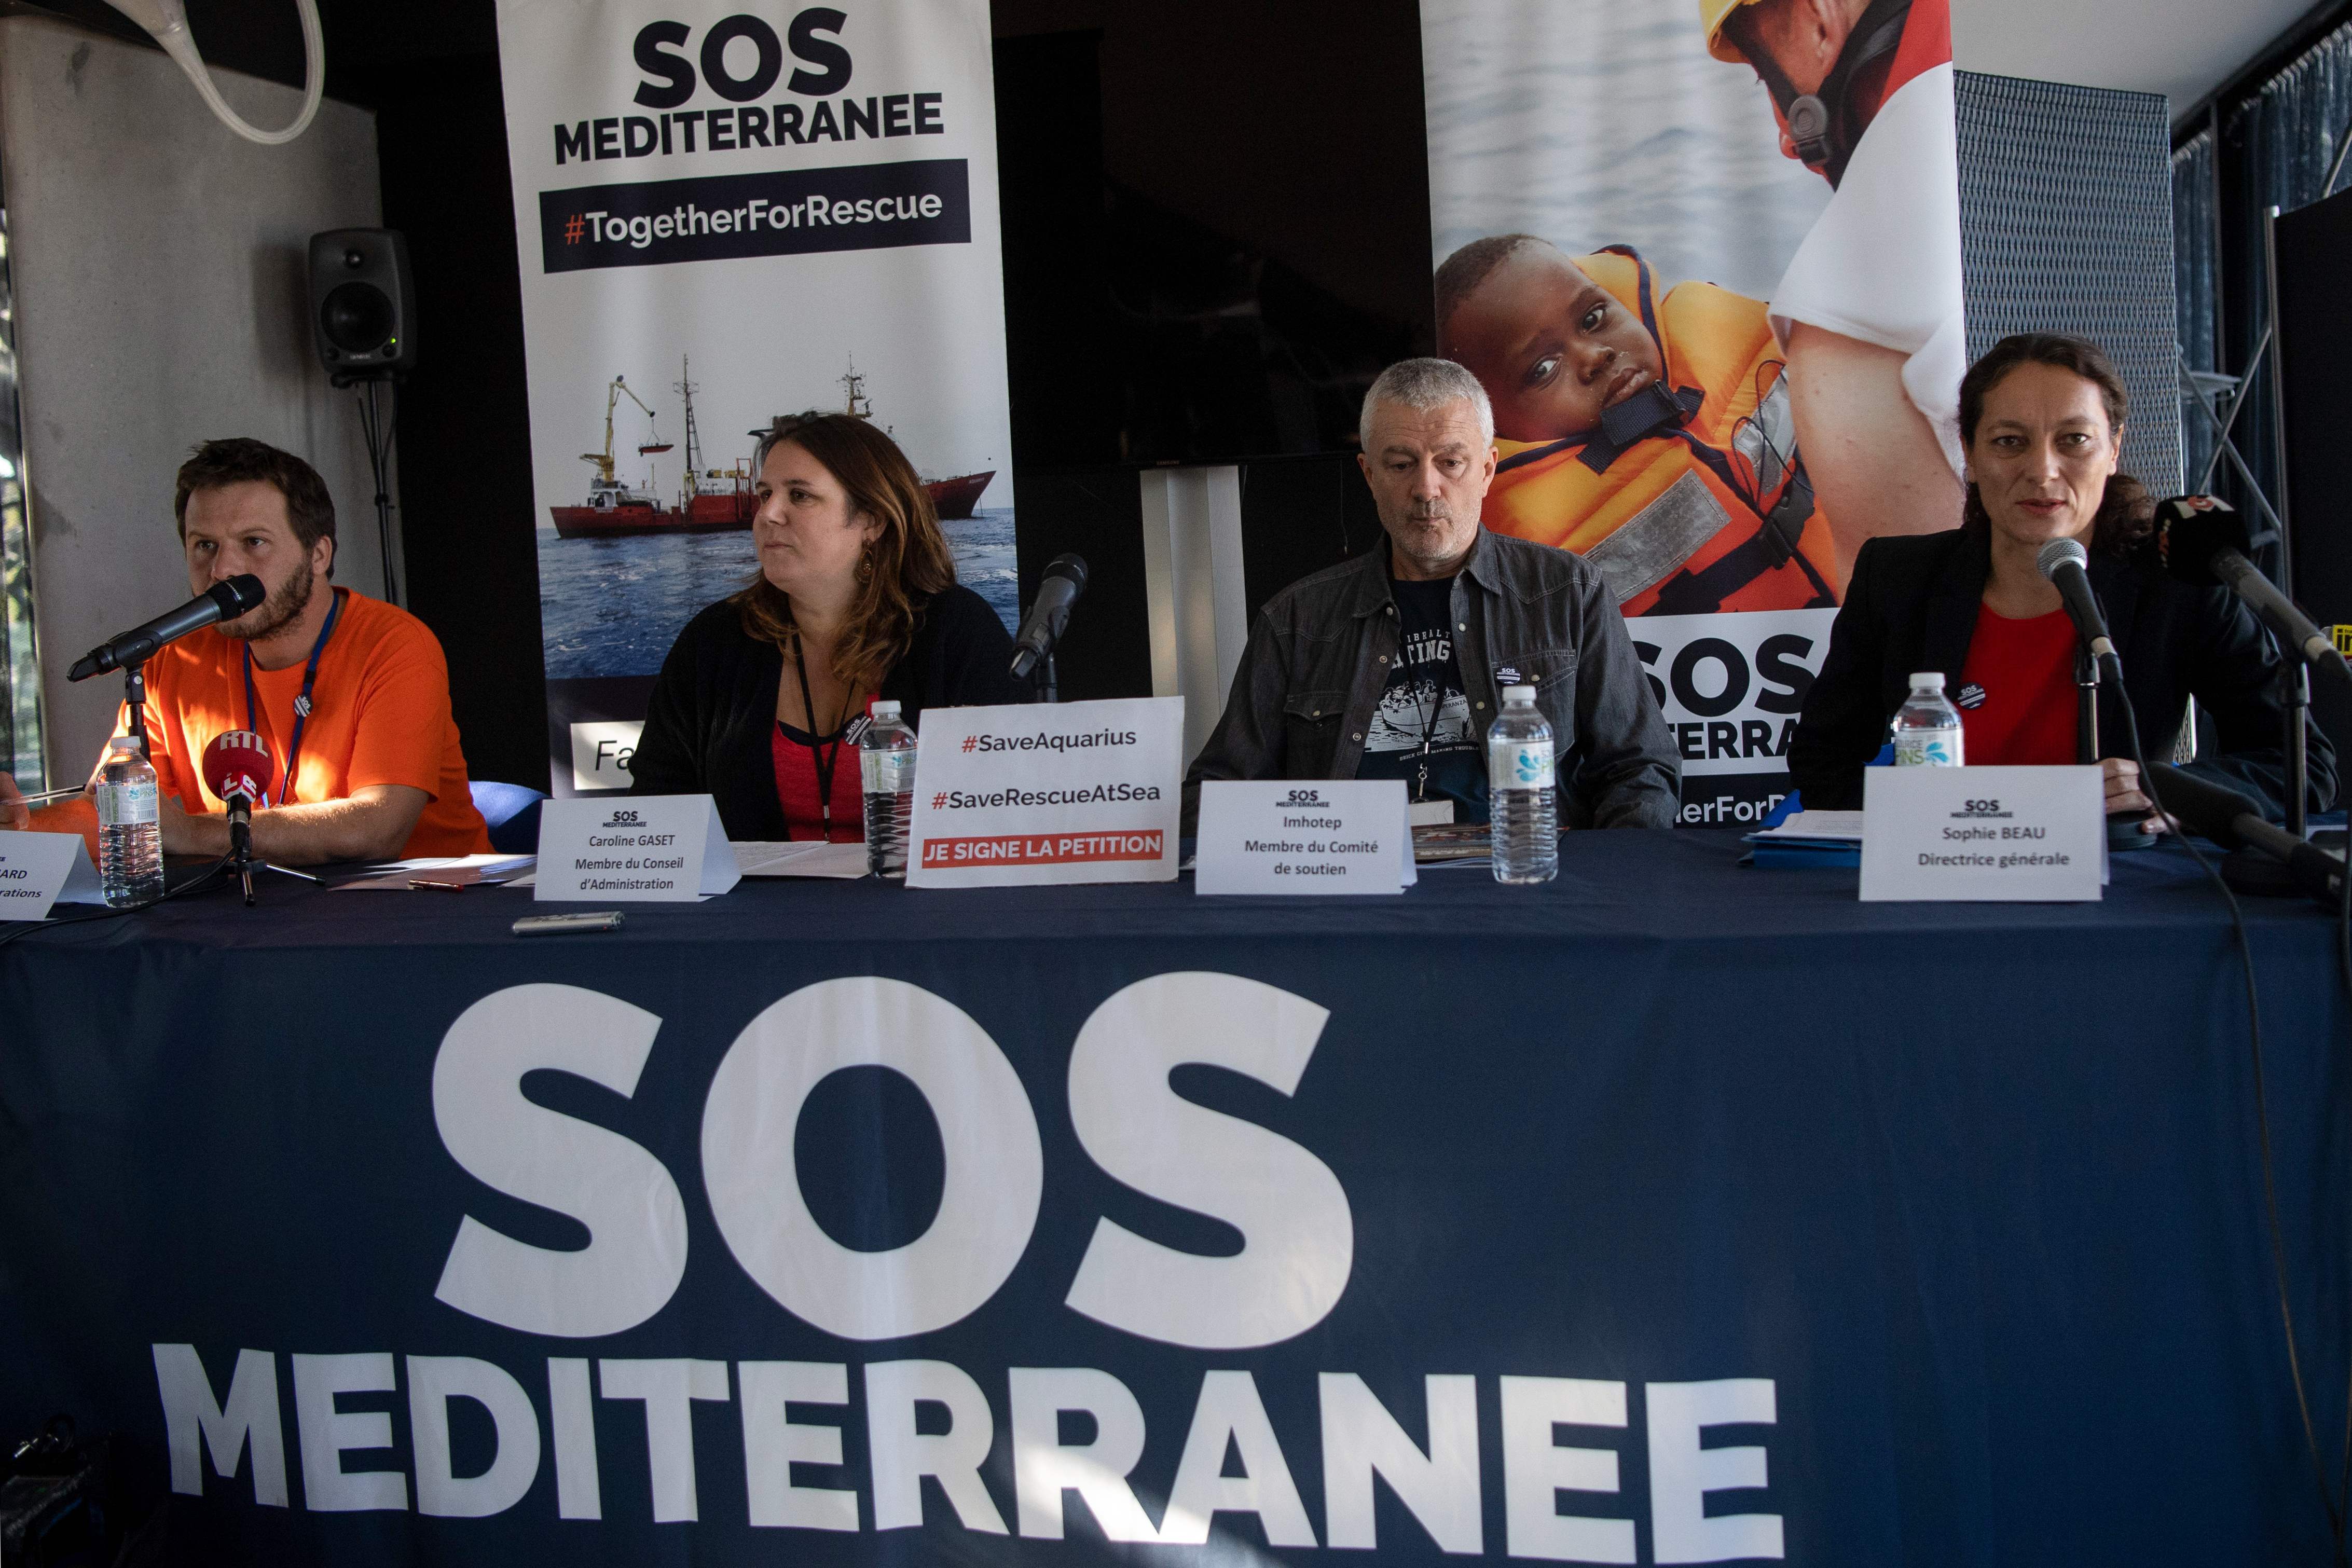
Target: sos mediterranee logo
728,90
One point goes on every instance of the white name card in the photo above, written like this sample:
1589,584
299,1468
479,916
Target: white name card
1350,836
1983,834
1048,791
37,869
637,849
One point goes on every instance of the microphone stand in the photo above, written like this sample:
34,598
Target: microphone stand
1050,689
241,863
2123,832
134,706
2249,871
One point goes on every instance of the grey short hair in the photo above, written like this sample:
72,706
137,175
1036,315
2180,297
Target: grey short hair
1424,384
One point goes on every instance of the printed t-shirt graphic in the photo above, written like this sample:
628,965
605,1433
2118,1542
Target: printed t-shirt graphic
1425,702
380,715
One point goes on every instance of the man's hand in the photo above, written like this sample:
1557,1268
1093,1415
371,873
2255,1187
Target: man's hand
373,824
2121,776
16,817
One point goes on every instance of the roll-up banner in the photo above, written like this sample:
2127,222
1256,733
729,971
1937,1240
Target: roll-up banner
1705,257
725,216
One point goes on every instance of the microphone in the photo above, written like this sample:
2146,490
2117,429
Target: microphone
2234,822
1065,580
2061,561
239,769
2203,541
223,601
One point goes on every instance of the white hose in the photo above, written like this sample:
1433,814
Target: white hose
176,43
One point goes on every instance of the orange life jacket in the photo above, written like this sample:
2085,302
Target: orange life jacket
1691,497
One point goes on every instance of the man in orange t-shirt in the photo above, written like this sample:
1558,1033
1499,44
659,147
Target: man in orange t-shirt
376,772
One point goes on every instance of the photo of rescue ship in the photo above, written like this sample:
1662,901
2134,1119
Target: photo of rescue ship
954,499
715,500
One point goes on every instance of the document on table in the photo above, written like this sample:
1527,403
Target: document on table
1815,827
801,858
393,876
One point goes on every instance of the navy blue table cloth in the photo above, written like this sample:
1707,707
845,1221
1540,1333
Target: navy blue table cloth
1683,1213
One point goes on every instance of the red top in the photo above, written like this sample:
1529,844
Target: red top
2016,696
797,772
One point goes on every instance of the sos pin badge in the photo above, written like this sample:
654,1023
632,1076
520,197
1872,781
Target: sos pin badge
1969,696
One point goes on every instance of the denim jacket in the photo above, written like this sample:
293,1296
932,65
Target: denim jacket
1319,655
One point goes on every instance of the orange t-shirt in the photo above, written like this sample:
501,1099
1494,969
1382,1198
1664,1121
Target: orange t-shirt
379,715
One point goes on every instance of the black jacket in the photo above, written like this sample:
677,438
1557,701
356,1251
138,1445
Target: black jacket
1317,660
1912,605
710,723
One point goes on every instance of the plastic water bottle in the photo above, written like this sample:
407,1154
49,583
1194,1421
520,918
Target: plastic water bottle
1522,795
129,827
886,755
1928,727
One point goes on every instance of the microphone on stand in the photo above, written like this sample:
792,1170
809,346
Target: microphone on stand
223,601
2204,542
2234,822
2062,561
1049,613
239,770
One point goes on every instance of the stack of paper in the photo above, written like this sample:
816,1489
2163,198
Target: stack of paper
1809,838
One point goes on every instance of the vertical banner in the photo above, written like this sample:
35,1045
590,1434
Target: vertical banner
725,216
1705,257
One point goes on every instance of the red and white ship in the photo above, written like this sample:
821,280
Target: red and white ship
714,501
954,499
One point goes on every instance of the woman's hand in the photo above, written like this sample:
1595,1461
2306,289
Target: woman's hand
2121,776
16,817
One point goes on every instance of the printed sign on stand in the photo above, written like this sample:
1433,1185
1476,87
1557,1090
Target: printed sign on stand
1323,836
646,849
1987,835
1048,792
37,869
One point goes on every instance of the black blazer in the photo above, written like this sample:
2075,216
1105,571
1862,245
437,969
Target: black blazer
709,724
1912,605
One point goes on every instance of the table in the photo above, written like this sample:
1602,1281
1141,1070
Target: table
1671,1212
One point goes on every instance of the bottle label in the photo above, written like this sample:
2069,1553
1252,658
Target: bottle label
128,804
891,772
1928,748
1518,765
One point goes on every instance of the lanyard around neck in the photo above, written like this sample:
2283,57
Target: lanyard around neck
302,703
826,760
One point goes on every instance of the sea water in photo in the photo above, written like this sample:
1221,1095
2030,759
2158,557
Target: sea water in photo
613,607
1595,122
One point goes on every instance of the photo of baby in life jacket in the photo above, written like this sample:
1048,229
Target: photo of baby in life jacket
1652,436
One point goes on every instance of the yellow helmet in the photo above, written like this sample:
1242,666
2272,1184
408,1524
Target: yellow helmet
1712,15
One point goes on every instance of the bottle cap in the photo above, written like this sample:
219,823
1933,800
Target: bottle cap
1934,677
885,708
123,744
1519,694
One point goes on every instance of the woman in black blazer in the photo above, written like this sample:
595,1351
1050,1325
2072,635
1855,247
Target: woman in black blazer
763,697
2042,419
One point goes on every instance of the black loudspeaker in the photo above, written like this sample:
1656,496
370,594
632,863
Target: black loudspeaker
362,303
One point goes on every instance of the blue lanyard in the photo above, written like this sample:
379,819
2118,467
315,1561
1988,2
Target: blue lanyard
302,703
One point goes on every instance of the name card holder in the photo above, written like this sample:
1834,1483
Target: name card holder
1329,836
2021,835
641,849
38,869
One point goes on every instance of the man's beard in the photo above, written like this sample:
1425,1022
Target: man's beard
283,606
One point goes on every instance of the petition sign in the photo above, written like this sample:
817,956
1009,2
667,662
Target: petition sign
1067,792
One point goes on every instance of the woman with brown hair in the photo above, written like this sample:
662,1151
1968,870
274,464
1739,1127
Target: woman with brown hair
763,696
2042,419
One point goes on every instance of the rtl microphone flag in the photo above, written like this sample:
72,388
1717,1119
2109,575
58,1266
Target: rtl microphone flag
238,764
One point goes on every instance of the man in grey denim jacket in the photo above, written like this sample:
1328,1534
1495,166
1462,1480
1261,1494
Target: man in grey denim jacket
1312,683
